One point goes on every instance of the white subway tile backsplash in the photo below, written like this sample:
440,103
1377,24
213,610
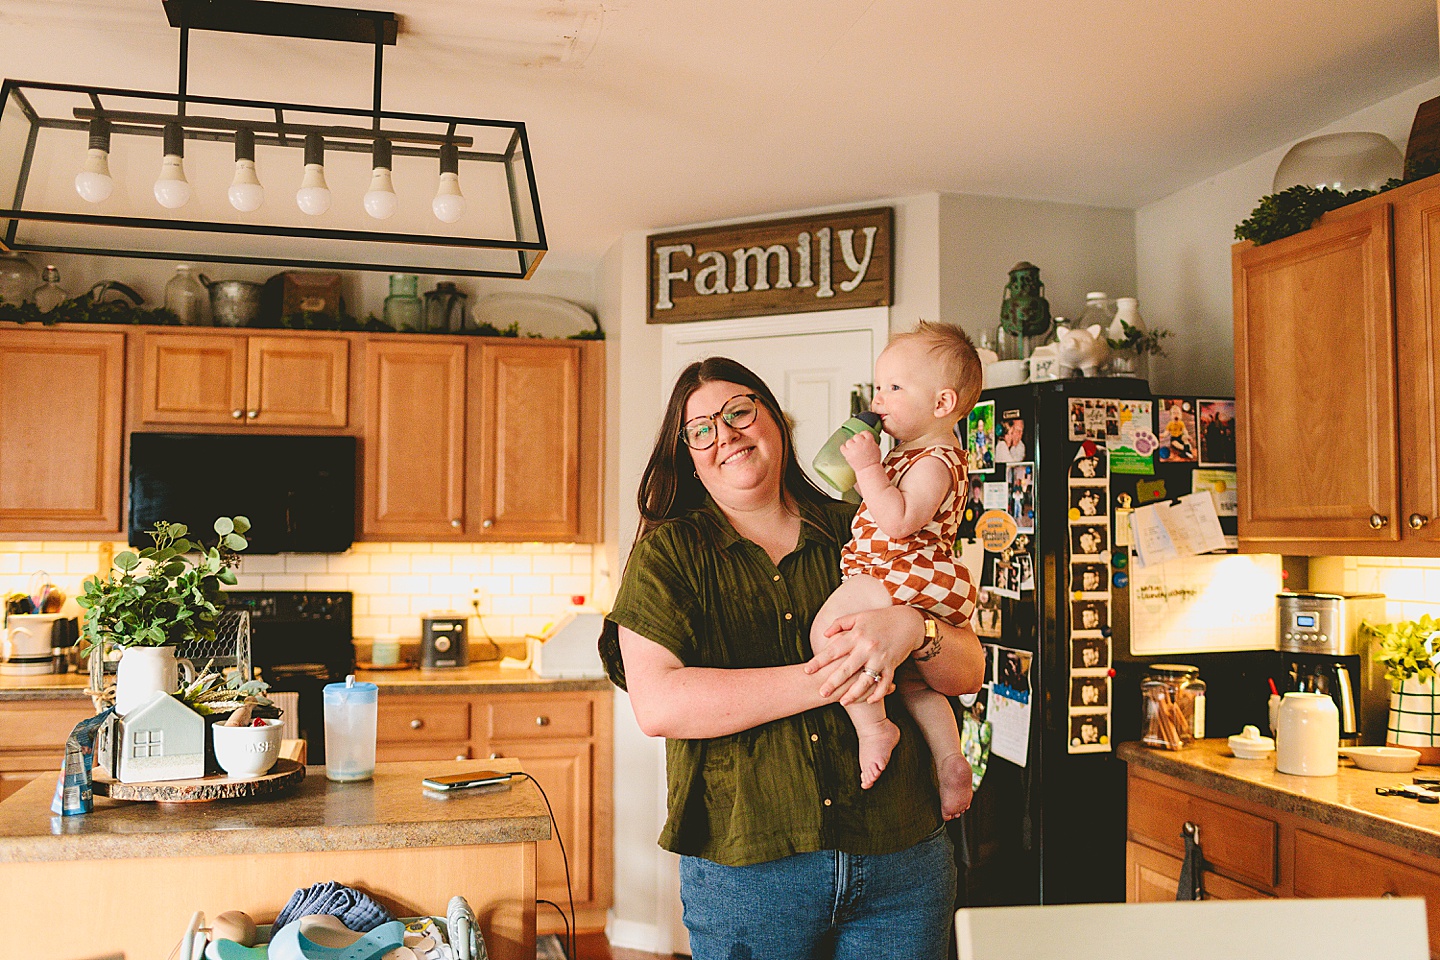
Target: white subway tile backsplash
263,564
348,562
370,626
554,563
1403,583
470,564
527,626
9,563
306,563
409,584
390,563
367,547
285,581
249,581
531,585
430,563
510,605
574,584
389,605
368,583
326,581
492,586
451,583
42,562
512,564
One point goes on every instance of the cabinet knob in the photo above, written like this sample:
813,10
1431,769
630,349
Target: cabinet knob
455,524
1377,522
237,414
494,756
416,724
488,524
1418,520
461,756
251,414
542,721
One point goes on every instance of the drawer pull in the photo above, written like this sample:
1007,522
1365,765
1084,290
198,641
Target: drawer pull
1378,522
494,756
488,524
237,414
455,523
542,721
1389,896
1418,521
461,756
416,724
252,414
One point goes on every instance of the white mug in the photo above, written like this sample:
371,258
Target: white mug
1307,738
145,671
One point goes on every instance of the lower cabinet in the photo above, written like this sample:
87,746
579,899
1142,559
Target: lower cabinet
563,739
1238,838
32,738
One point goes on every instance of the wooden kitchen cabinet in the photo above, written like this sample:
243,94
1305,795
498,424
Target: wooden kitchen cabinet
32,738
225,379
61,431
1336,335
563,739
414,441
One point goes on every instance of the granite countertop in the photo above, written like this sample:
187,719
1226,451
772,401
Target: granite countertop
476,678
392,810
1346,801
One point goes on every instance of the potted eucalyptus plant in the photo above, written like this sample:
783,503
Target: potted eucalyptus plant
154,600
1410,651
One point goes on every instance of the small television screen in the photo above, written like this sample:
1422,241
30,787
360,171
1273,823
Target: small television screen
297,491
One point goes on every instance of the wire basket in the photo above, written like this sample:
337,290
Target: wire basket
230,649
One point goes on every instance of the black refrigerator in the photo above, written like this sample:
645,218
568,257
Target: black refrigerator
1053,829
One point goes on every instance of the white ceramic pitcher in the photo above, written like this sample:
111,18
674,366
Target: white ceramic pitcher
1308,736
145,671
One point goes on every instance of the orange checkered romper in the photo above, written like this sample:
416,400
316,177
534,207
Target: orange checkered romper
921,570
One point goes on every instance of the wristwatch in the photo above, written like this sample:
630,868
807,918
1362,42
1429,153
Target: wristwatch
931,647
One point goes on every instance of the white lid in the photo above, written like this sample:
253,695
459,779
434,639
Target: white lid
1095,295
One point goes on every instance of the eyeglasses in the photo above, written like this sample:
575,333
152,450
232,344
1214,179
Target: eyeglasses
738,413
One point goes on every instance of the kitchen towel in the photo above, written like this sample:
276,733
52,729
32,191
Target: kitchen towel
353,908
1191,884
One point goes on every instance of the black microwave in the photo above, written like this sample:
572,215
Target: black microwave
297,491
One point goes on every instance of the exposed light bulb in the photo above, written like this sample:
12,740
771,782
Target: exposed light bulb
245,193
449,202
380,200
313,197
172,190
93,183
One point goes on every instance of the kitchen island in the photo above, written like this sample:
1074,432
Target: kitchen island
127,876
1270,834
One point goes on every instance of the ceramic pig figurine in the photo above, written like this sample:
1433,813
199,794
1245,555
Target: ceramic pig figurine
1084,349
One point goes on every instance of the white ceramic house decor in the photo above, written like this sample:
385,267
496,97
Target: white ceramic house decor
161,740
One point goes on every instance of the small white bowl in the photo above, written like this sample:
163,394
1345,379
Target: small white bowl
1386,759
1249,745
247,751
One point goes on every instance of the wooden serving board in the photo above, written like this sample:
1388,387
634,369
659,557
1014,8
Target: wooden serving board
285,774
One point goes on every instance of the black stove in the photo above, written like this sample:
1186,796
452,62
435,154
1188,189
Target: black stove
300,641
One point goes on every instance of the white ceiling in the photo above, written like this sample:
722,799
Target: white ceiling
657,113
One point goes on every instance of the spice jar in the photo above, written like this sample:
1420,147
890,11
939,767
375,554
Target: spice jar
1172,703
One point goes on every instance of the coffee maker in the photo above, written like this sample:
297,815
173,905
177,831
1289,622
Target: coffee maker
1322,652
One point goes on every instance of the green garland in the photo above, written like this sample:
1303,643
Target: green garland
1297,208
82,309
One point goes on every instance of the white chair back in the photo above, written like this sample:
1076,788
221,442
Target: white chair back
1393,929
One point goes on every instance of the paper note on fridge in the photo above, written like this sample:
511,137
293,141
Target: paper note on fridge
1167,531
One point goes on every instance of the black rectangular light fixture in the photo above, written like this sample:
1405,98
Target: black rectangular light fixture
132,173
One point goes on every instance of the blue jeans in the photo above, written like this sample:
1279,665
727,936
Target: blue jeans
824,906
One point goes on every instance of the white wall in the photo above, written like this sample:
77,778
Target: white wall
1183,252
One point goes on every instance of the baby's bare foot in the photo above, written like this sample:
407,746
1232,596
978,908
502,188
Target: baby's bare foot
877,741
956,784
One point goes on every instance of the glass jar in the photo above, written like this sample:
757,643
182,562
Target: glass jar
445,308
1172,706
49,294
1098,309
403,308
184,296
18,278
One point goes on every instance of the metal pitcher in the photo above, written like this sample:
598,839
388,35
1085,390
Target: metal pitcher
233,303
445,308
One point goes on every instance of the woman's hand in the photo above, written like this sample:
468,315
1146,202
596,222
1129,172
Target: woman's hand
876,641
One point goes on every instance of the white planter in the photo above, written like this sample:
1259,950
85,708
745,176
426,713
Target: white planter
1413,720
146,671
246,751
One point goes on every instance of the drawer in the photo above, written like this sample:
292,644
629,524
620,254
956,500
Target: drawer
422,720
43,726
1238,844
404,752
540,717
1327,868
1154,877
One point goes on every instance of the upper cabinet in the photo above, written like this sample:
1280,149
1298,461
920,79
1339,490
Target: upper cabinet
1336,382
234,380
61,426
482,440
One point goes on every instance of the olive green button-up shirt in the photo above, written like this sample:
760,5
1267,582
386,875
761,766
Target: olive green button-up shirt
715,599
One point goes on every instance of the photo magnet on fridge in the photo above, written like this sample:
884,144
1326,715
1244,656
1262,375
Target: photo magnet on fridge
1087,500
1088,577
1020,479
986,621
1090,615
974,506
1177,431
1089,653
1009,437
1089,540
1089,466
1090,732
1217,433
980,436
1090,692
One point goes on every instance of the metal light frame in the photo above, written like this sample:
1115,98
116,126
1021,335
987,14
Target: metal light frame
413,135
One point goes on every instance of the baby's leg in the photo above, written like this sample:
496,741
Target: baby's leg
936,721
878,735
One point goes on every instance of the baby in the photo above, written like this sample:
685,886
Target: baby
902,538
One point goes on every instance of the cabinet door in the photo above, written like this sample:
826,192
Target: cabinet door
562,768
414,442
61,414
1328,868
529,442
193,378
298,382
1315,385
1153,877
1417,339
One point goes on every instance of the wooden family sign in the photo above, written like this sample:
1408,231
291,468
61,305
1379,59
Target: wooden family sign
827,262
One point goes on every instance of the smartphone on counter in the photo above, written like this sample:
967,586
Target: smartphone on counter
463,781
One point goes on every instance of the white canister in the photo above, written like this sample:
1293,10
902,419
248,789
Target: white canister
145,671
1308,736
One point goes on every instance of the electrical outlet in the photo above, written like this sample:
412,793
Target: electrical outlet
477,600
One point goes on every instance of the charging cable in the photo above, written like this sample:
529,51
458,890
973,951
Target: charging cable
565,859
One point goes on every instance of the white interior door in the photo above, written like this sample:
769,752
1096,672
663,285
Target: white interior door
811,361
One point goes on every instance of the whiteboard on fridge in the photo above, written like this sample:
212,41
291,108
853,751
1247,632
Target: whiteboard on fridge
1210,603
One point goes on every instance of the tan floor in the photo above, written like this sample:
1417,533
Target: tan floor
594,946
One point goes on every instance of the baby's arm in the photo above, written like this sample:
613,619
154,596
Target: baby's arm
903,510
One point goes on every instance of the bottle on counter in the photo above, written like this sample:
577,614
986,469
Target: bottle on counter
49,294
184,296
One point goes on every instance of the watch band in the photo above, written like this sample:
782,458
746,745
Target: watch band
930,649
